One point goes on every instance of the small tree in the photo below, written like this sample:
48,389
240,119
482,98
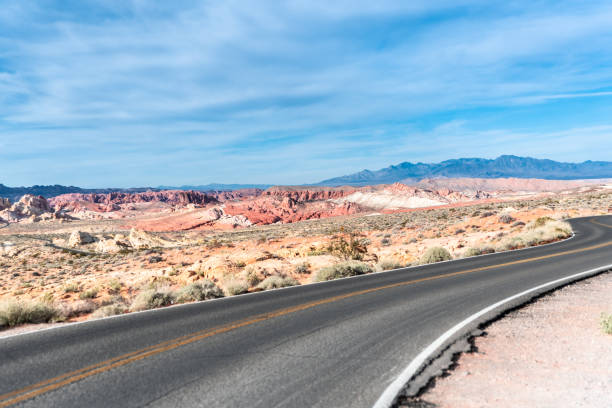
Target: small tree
348,245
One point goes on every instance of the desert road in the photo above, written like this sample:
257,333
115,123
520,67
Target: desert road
334,344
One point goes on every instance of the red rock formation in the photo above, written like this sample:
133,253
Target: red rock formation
111,201
277,208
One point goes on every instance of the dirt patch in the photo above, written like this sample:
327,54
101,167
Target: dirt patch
551,353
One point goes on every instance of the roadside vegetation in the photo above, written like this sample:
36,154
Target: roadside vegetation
40,283
606,323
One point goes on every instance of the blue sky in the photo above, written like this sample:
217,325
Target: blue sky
134,93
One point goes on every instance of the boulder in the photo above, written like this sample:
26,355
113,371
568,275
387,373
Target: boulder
78,238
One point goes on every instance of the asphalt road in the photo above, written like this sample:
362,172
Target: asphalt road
336,344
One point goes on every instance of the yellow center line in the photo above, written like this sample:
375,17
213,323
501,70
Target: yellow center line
73,376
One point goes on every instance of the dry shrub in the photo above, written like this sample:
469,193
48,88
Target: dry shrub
341,270
200,290
387,264
235,287
436,254
277,281
14,312
152,298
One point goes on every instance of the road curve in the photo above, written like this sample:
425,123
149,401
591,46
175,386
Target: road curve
335,344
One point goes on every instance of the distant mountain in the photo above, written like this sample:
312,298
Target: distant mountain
503,166
217,187
15,193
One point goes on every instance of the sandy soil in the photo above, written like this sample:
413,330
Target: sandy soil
551,353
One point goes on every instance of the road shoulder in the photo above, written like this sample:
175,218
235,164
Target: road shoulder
552,352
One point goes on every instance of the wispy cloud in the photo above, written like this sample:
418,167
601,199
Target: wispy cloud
205,90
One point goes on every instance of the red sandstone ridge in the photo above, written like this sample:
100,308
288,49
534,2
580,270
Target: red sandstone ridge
291,205
311,193
111,201
264,211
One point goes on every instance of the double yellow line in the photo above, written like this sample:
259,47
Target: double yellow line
73,376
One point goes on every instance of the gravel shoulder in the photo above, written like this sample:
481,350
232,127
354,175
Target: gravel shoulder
550,353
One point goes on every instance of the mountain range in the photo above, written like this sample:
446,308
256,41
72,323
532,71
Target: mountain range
406,172
503,166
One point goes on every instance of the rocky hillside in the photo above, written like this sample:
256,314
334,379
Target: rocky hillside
503,166
513,184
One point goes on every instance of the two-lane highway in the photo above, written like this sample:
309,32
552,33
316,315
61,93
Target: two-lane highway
333,344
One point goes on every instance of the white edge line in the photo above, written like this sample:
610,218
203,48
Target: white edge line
387,398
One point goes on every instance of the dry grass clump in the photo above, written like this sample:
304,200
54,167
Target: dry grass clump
341,270
200,290
606,323
302,268
435,254
15,312
387,264
250,276
236,287
152,298
475,251
541,231
80,307
110,310
277,281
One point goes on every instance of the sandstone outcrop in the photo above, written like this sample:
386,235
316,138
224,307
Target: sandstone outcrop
78,238
30,209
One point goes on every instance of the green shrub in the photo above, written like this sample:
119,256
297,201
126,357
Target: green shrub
387,264
13,313
152,298
342,270
277,281
606,323
436,254
201,290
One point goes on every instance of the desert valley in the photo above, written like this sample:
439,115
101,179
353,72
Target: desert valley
72,256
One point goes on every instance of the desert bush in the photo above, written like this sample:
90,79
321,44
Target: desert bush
436,254
80,307
152,298
277,281
474,251
606,323
506,219
236,287
200,290
385,241
250,276
387,264
13,313
350,246
539,222
114,286
89,294
302,268
110,310
342,270
550,231
72,288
